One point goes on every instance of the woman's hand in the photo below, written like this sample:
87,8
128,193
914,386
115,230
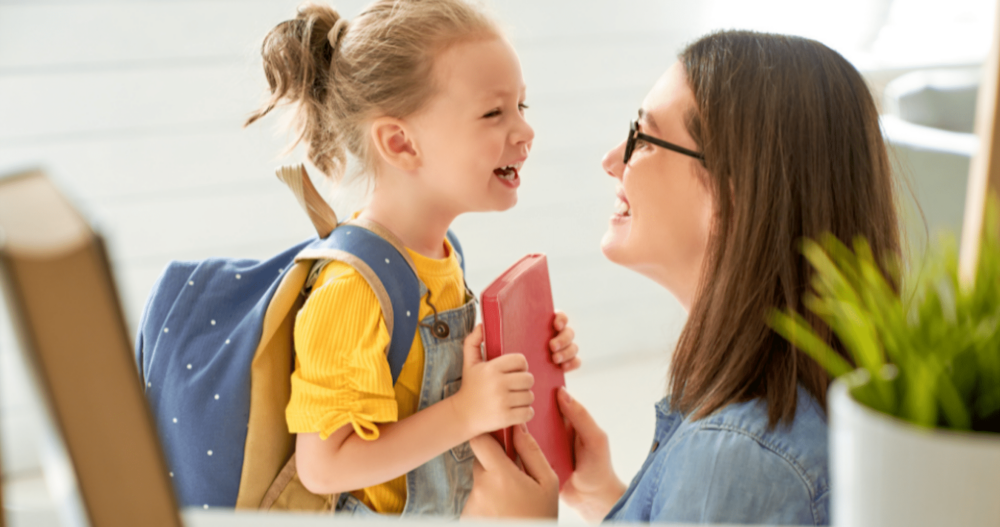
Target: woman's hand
501,490
593,488
563,348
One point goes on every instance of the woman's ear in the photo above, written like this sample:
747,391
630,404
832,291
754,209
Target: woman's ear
395,143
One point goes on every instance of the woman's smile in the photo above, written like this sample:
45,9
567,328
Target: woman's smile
623,209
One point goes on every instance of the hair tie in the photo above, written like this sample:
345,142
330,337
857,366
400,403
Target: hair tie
337,33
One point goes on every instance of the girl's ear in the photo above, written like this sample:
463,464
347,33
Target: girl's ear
395,143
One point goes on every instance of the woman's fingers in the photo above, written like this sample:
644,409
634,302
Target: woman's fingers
533,459
579,418
489,454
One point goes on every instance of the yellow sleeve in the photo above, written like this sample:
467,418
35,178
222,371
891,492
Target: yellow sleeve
341,372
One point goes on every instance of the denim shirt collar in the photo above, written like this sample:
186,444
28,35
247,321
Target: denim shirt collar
801,445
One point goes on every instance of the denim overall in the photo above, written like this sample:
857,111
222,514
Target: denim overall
440,486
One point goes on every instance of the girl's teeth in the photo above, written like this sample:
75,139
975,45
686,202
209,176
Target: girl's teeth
508,173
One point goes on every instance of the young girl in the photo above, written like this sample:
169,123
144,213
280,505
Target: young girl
428,96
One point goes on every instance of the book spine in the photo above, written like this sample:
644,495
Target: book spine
493,338
492,327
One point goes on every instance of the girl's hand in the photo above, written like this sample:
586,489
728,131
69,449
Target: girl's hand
494,394
501,490
593,488
563,348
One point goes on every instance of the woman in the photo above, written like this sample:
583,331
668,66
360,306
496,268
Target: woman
747,144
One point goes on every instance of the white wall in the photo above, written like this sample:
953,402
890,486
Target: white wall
136,108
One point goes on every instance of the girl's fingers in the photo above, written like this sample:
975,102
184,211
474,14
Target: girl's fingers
471,348
563,339
560,321
567,354
510,363
520,399
520,381
571,365
523,414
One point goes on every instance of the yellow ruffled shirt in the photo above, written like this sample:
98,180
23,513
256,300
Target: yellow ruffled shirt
341,372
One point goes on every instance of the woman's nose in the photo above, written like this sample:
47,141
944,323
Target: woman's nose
612,161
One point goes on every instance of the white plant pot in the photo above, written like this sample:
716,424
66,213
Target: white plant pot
886,472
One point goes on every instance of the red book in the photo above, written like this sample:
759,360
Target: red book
517,318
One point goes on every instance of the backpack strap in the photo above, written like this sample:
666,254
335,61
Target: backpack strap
390,272
382,260
322,216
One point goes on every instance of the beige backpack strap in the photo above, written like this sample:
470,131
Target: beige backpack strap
287,493
320,213
280,482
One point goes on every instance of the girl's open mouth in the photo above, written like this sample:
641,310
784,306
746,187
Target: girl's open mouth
508,173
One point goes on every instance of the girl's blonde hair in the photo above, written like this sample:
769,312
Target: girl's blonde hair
342,74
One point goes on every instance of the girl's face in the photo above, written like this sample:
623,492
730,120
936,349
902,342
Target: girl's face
664,213
472,134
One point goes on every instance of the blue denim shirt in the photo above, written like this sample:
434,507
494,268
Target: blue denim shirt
729,468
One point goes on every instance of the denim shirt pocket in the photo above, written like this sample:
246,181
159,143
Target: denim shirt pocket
462,452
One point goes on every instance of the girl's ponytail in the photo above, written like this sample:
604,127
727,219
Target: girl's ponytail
341,75
298,56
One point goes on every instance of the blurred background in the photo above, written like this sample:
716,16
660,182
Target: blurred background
135,108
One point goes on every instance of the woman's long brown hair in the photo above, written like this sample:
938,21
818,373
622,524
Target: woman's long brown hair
793,149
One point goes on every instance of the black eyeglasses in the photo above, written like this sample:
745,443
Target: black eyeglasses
634,135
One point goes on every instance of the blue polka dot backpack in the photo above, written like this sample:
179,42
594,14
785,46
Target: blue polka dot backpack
215,354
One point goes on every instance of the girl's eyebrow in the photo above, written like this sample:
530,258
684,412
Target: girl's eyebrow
504,92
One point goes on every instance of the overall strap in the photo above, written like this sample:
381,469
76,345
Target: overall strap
458,249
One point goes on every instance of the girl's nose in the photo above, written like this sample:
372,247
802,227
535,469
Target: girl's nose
612,161
523,133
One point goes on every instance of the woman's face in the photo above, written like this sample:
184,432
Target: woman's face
661,226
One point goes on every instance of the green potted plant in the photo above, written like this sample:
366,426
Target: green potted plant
915,412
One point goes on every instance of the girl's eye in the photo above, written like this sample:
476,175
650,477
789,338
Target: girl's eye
522,106
492,113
